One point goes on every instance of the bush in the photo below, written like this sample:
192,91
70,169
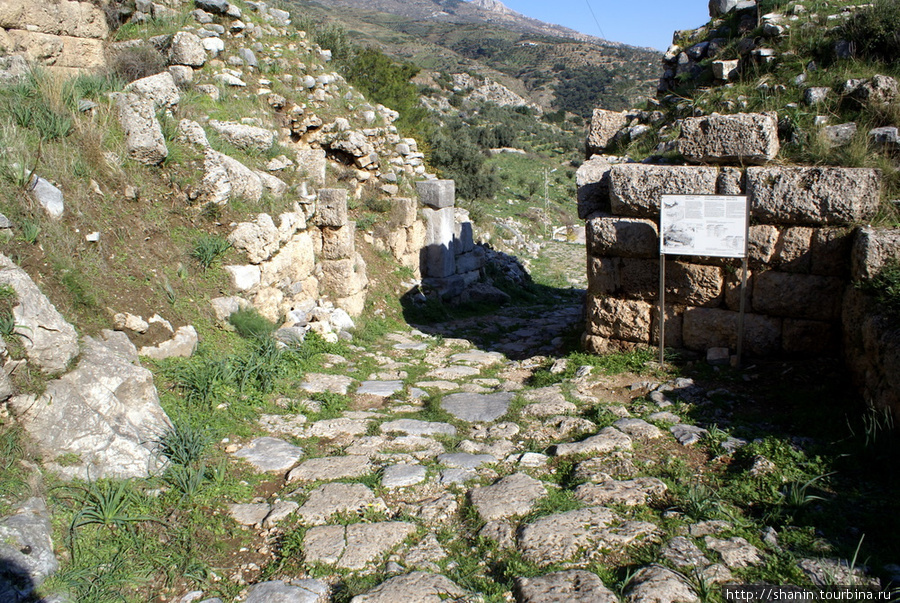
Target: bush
137,62
874,31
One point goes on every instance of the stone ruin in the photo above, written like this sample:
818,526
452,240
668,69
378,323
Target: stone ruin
806,251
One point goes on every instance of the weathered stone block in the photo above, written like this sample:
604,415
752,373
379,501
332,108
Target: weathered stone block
144,139
797,295
339,243
311,163
872,250
404,211
469,262
635,189
731,181
725,70
813,195
64,18
872,350
622,237
706,328
792,253
693,284
674,326
592,186
343,278
744,138
831,251
632,278
604,126
464,236
762,242
808,336
437,194
624,319
332,207
733,290
438,254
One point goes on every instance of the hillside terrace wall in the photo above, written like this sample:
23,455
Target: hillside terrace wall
800,240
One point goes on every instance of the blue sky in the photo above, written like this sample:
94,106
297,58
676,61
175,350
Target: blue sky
640,23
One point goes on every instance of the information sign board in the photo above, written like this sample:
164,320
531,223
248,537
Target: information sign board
705,225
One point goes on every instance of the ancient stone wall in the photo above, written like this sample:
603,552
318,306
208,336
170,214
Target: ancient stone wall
802,227
64,37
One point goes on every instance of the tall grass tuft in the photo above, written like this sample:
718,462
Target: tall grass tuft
209,249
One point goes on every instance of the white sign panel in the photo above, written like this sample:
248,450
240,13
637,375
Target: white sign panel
710,225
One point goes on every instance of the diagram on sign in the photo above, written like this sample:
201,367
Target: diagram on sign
708,225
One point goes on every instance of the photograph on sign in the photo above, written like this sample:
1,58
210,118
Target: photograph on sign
710,225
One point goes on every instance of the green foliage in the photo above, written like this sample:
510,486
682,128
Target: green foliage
873,30
110,504
30,232
209,249
583,89
249,323
12,474
203,379
28,105
457,156
77,284
885,288
184,444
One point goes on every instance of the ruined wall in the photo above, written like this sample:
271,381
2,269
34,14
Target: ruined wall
871,339
63,37
800,240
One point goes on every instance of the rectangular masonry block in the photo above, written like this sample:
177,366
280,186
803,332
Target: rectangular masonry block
873,249
437,194
339,243
814,196
706,328
694,284
623,237
592,186
742,138
439,260
332,207
624,319
674,326
797,295
831,251
808,336
635,188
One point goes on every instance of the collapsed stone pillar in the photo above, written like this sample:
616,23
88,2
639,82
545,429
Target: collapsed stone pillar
439,198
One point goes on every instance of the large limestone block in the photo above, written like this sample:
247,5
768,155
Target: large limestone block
343,278
706,328
159,88
742,138
227,178
572,586
793,253
311,163
797,295
604,126
187,49
622,237
632,278
61,18
874,248
332,208
105,413
674,317
437,194
439,252
871,345
694,284
404,211
635,189
144,139
258,239
49,341
592,184
624,319
248,138
26,548
831,250
808,336
419,587
813,195
340,243
293,263
59,53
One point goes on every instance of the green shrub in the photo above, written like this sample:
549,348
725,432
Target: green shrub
250,324
28,105
183,444
209,249
874,31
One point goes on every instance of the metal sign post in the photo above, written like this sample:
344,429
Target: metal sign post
703,225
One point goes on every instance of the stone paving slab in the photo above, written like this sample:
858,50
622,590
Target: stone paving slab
317,383
464,460
477,408
270,455
415,587
326,500
659,584
330,468
453,372
296,591
400,476
630,493
608,440
415,427
354,546
335,428
572,586
382,389
513,495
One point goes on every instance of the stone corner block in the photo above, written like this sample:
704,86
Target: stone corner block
744,138
437,193
332,209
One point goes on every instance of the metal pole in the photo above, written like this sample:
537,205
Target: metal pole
740,341
662,308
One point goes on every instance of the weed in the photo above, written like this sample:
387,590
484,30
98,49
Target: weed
209,249
249,323
203,380
187,479
30,232
107,504
885,288
183,444
698,501
873,30
796,495
137,62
